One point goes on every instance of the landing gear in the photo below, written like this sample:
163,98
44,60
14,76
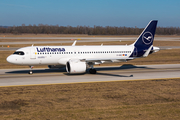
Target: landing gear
30,72
92,71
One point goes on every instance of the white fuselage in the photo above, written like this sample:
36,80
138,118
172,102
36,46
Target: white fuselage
59,55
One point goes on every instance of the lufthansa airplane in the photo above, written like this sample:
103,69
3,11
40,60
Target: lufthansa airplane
77,59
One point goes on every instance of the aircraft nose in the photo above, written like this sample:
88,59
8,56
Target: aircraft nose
9,59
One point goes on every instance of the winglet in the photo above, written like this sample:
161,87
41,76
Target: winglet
74,43
148,51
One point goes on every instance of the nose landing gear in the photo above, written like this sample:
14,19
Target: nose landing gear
30,72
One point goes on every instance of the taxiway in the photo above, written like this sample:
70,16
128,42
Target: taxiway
48,40
16,77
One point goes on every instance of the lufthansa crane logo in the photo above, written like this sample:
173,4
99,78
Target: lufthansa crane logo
147,38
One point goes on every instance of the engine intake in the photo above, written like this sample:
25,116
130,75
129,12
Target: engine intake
75,66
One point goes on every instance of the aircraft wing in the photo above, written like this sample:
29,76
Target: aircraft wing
99,60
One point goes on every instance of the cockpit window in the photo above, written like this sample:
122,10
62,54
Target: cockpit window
19,53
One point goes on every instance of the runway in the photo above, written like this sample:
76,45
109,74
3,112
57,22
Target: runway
16,77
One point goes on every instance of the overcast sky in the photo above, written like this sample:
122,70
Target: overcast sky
129,13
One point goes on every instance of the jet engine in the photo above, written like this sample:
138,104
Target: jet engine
75,66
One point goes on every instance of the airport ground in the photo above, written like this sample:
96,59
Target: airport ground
144,99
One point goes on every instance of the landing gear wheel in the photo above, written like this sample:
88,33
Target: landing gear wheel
30,72
92,71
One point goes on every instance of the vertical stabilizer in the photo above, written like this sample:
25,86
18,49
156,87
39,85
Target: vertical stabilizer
145,40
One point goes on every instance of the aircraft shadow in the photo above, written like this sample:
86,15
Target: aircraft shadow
38,71
123,67
126,66
114,75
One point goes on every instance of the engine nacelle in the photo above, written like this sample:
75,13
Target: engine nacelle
55,66
75,66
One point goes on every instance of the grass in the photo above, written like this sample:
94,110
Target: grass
153,99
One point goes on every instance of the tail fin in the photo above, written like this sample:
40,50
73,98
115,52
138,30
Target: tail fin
145,40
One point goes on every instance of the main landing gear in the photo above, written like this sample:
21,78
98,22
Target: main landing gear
30,72
92,70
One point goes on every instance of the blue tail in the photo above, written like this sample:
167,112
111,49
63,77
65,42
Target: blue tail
145,40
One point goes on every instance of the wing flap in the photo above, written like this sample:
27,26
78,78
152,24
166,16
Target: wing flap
100,61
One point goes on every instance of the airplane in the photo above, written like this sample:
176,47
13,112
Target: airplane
77,59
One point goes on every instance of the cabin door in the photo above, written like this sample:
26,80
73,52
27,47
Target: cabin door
33,53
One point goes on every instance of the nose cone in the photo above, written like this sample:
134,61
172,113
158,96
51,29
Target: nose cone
9,59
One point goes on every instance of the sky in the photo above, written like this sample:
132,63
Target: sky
128,13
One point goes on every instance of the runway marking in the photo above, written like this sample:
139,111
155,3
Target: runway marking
89,82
